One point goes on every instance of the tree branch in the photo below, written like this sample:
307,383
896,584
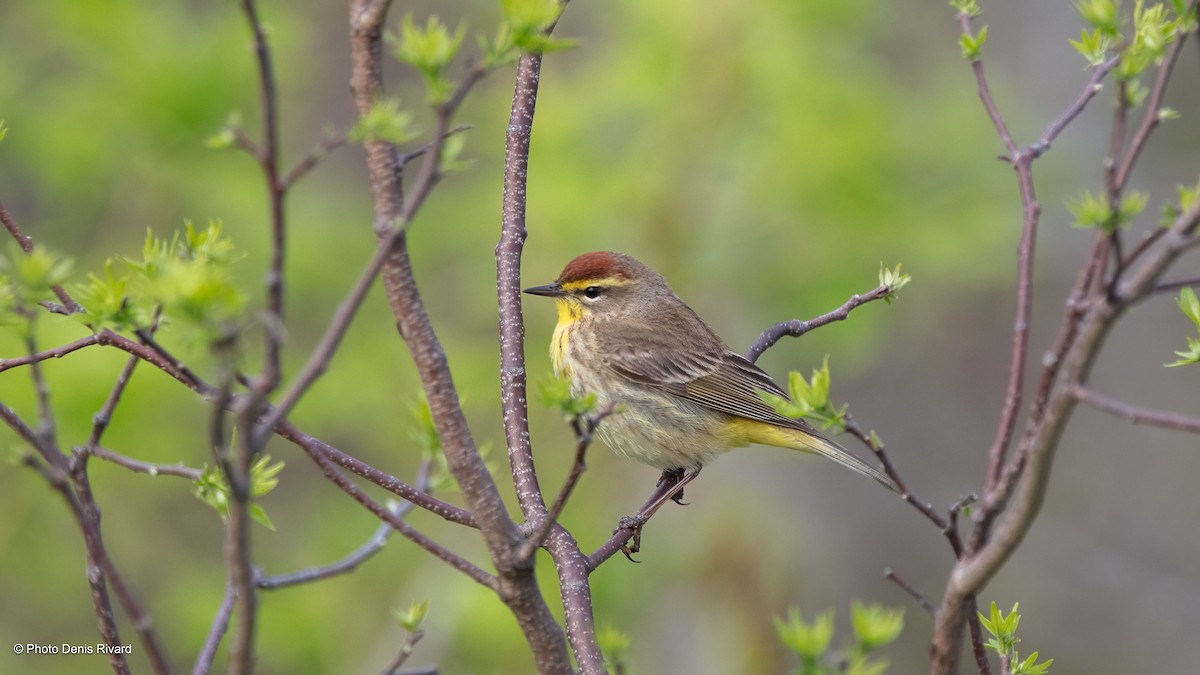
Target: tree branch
796,328
360,555
1136,415
268,159
216,631
585,428
509,249
26,244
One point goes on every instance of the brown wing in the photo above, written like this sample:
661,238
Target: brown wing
719,380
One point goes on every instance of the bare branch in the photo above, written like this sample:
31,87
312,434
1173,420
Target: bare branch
508,288
178,470
47,430
913,593
573,568
276,188
313,158
26,244
1136,415
1153,107
406,650
623,534
360,555
585,429
439,551
796,328
1090,89
88,516
220,624
985,95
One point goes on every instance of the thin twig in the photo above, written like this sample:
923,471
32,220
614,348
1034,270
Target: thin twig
178,470
47,430
913,593
216,631
89,521
313,158
55,353
1153,106
69,306
796,328
621,536
585,429
360,555
1090,89
276,190
985,94
1176,284
453,559
1136,415
406,650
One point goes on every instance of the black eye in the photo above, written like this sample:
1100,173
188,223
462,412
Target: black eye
592,292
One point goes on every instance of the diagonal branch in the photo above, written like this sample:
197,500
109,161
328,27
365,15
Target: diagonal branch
360,555
1137,415
26,244
796,328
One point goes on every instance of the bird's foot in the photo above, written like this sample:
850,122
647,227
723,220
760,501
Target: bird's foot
634,524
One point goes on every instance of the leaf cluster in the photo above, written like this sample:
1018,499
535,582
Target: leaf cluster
810,399
212,488
1151,29
1003,630
1093,210
430,50
894,280
1190,305
28,279
874,626
187,278
411,619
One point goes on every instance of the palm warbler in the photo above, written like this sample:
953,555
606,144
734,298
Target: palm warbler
684,395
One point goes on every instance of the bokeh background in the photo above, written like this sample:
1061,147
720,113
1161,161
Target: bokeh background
766,156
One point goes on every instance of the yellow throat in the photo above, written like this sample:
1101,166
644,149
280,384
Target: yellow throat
568,313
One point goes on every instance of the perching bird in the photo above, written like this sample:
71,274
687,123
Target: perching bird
682,396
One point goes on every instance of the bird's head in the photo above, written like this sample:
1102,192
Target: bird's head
602,284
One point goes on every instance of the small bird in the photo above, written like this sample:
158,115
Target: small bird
680,395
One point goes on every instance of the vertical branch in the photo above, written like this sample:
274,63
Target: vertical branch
1031,211
518,587
268,158
216,631
508,287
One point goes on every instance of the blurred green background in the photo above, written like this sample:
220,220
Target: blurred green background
765,156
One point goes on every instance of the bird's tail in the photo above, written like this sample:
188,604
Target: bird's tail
826,447
808,439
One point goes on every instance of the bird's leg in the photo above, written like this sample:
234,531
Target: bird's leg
670,486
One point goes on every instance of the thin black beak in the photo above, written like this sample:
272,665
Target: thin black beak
549,290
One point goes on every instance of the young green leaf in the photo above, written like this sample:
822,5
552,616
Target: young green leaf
556,394
1093,46
430,50
1030,666
613,643
875,625
385,122
411,619
894,280
809,640
972,45
968,7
